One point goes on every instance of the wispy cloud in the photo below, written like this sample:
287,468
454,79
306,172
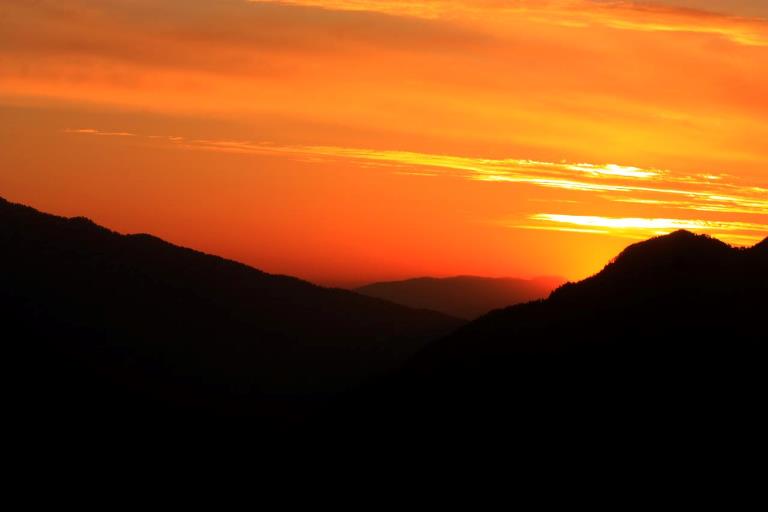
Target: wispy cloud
620,15
91,131
637,227
619,183
614,183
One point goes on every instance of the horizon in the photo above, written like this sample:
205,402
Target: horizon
355,285
350,142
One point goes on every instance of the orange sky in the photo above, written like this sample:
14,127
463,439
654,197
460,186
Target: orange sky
345,141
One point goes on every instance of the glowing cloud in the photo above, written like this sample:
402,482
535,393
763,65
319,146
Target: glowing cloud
633,227
612,183
619,15
91,131
700,192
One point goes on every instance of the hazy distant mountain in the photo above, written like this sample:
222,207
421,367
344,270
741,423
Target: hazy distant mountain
107,322
672,332
464,296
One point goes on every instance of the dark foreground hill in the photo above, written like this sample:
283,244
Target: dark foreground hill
671,334
463,296
669,338
97,323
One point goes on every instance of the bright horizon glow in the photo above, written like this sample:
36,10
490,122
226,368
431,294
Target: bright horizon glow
644,228
348,141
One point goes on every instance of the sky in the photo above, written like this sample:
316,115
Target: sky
349,141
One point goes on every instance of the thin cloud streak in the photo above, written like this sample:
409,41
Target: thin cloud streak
702,192
637,227
610,182
91,131
576,14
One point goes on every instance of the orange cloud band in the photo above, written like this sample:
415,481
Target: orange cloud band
611,182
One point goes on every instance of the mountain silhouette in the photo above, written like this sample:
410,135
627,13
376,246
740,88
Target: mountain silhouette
762,246
668,338
671,332
464,296
132,325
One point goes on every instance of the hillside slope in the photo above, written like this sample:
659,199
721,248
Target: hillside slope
672,332
96,317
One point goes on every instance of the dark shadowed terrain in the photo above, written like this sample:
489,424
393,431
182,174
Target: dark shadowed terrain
669,337
100,323
463,296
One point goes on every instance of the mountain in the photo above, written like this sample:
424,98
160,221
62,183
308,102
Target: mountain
127,324
762,246
669,337
464,296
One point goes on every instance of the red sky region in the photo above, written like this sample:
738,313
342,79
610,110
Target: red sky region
347,141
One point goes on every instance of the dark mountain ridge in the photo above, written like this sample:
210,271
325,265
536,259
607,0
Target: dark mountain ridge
672,330
462,296
102,325
96,315
762,246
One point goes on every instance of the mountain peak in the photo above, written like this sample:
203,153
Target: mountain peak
655,264
677,245
681,233
683,236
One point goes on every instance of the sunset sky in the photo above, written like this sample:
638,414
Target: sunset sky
346,141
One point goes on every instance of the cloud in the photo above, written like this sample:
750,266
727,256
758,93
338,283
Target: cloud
91,131
701,192
217,36
753,8
587,109
621,15
611,182
538,75
738,233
